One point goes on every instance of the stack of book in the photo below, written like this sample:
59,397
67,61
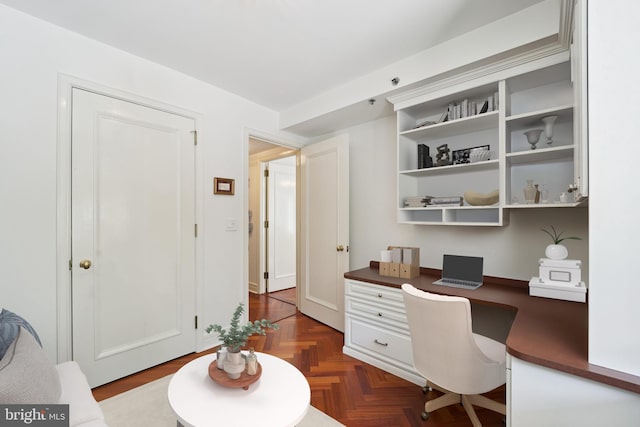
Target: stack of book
416,201
446,201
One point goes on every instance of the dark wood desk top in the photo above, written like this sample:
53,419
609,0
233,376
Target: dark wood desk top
547,332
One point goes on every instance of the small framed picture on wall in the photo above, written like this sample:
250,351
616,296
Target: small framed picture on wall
223,186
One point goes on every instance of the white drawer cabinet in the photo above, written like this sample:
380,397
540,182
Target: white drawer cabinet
376,329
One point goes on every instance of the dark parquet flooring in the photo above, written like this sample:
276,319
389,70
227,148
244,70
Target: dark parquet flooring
351,391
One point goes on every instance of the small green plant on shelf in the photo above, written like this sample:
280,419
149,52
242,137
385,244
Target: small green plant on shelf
237,335
557,237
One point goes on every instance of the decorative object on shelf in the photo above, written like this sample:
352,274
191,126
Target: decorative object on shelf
544,194
479,154
424,159
464,155
530,192
557,250
442,158
236,337
564,197
533,136
478,199
252,363
548,128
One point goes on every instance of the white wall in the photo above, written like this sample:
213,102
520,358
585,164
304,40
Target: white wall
511,251
614,65
33,53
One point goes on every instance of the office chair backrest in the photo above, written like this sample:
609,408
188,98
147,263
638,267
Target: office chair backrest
444,349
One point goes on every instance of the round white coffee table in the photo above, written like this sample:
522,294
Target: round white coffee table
280,398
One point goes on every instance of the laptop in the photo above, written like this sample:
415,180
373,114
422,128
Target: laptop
463,272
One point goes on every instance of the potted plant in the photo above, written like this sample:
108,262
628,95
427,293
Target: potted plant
236,337
556,250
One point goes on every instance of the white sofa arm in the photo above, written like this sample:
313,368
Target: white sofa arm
83,408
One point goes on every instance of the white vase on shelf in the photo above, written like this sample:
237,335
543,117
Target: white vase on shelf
530,192
548,128
533,136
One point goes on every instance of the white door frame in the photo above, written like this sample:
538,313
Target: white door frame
281,141
66,83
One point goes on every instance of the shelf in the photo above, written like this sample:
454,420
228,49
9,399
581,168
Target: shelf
475,123
547,205
526,99
533,118
448,208
540,155
442,170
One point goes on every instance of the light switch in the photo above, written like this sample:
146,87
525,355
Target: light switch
232,224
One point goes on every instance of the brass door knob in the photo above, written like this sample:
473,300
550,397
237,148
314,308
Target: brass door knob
85,263
340,248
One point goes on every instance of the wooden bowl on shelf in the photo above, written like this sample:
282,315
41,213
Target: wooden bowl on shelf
219,376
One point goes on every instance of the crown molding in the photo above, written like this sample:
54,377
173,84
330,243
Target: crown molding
493,69
565,31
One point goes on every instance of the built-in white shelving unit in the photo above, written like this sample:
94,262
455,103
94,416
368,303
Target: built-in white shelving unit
520,101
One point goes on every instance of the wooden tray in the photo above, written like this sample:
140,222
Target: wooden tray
221,377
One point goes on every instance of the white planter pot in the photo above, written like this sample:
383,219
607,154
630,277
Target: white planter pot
234,365
556,252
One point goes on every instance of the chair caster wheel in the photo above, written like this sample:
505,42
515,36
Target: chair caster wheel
424,415
425,390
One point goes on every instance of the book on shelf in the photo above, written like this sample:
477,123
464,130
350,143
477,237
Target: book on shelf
446,200
425,123
416,201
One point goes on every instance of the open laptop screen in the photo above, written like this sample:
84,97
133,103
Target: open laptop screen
459,267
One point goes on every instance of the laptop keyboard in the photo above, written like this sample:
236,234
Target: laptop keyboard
455,283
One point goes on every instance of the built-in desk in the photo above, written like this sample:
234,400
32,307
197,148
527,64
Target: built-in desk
546,332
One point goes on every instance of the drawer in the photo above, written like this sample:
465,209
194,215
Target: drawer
381,294
377,313
390,346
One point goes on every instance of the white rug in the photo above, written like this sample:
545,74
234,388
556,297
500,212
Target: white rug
147,406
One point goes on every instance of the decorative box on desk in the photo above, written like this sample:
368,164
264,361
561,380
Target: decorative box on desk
405,263
569,292
559,279
560,270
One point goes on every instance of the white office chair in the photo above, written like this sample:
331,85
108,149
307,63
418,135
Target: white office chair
450,356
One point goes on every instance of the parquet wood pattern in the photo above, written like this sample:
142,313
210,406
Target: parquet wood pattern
351,391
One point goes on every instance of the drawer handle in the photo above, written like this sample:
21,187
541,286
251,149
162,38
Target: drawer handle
380,314
379,295
384,344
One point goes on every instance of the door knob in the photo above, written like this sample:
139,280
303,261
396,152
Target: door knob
340,248
85,263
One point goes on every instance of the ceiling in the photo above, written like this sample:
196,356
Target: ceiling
276,53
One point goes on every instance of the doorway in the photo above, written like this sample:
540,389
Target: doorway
273,221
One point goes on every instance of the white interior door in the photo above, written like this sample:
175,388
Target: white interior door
325,229
133,218
281,213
